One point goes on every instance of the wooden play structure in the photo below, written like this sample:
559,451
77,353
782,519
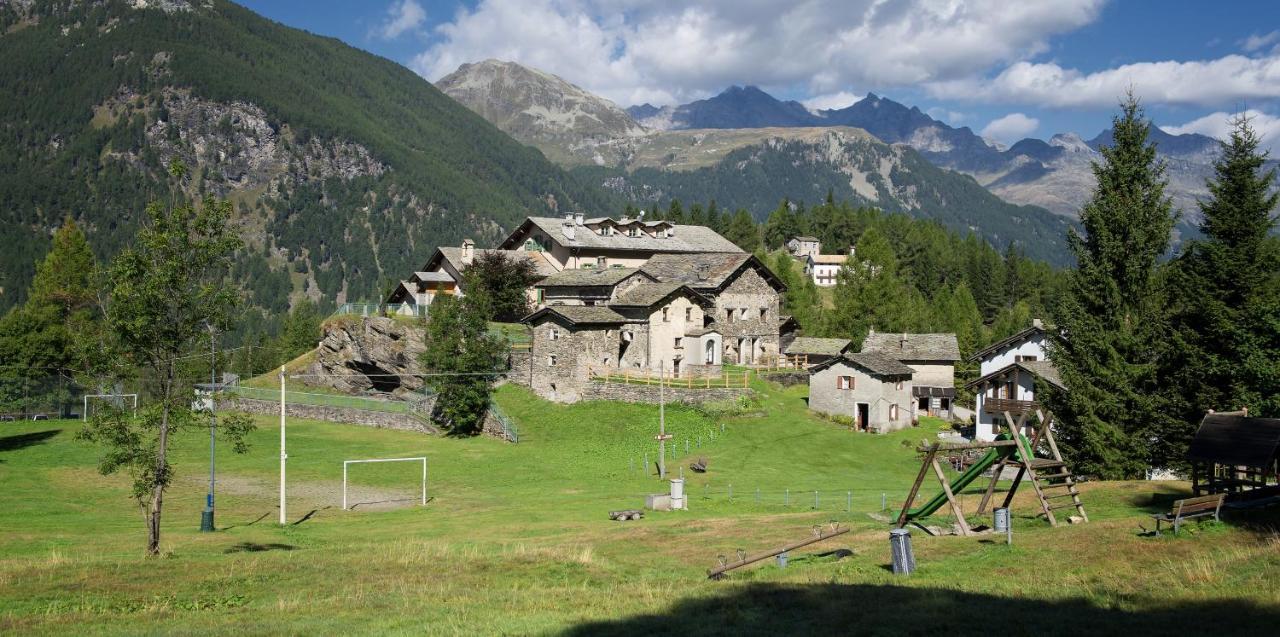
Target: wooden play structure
1051,478
819,535
1235,454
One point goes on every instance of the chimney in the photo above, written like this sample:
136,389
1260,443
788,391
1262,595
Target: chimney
568,229
1037,323
468,251
568,217
853,251
902,342
578,218
640,216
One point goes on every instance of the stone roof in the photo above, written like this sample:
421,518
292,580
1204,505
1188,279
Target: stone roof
684,239
435,277
540,263
647,294
813,345
830,259
701,331
811,239
877,364
705,271
914,347
579,314
587,277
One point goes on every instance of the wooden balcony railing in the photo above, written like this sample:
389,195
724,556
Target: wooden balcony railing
1014,407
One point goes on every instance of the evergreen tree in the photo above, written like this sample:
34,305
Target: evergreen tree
1112,319
1226,340
675,212
464,360
801,299
714,220
780,226
497,285
300,331
742,231
870,294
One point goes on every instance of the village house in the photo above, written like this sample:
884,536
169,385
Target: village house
442,274
872,389
933,357
804,247
651,327
825,268
745,297
574,242
807,351
1008,372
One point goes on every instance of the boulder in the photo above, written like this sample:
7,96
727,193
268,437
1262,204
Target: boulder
370,354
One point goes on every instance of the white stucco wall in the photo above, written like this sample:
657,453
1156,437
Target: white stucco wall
1003,358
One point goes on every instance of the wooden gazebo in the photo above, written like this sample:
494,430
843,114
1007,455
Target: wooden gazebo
1236,454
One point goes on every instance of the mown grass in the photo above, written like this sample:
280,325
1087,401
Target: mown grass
515,538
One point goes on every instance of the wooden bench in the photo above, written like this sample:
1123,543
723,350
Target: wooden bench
1202,506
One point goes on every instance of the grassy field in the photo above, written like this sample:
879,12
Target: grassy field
515,538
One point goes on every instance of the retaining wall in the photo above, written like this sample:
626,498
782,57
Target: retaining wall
596,390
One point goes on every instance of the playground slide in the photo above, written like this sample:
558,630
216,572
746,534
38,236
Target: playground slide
961,481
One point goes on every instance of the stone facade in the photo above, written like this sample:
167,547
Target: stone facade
344,415
563,354
596,390
876,402
746,314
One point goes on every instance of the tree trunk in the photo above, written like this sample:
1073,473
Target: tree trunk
161,479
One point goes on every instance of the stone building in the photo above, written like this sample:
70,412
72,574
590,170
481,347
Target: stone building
874,390
746,298
809,350
804,247
575,242
933,357
442,274
649,327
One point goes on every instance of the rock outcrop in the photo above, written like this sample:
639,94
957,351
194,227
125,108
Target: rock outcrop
371,354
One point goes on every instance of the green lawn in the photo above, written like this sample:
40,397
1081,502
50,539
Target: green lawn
515,539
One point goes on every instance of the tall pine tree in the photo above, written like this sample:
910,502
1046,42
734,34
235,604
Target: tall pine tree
1112,318
1225,332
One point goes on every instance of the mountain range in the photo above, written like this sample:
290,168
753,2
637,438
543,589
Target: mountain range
1053,174
346,169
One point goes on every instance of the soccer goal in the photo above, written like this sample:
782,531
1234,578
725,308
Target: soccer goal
119,400
347,463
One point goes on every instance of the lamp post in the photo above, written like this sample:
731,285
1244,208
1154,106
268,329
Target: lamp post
206,516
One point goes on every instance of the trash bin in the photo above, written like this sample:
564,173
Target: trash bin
904,561
782,560
1000,519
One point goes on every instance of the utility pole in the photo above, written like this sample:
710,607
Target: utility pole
662,420
283,456
206,516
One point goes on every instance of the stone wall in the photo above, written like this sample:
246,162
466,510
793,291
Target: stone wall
344,415
596,390
751,292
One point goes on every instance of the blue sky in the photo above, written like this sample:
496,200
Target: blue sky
1006,69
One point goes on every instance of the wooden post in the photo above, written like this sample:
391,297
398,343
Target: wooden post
951,497
915,486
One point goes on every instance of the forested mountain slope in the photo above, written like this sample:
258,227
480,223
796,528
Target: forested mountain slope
345,168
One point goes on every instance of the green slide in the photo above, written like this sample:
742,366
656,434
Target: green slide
962,481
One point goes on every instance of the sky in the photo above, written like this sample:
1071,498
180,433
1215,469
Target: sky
1006,69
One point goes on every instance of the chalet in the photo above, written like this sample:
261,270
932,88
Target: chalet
872,389
824,268
933,357
574,242
808,350
1008,371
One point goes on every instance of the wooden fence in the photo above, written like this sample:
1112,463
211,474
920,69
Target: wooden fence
726,378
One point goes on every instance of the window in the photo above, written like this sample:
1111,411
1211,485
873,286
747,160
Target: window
893,412
844,382
764,313
679,342
666,318
551,360
688,314
742,314
1023,359
542,296
602,262
898,385
728,315
554,334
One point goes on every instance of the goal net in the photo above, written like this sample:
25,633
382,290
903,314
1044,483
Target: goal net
369,492
94,403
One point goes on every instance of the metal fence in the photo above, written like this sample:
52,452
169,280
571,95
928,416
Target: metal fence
381,309
509,431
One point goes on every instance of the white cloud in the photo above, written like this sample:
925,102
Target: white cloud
1256,41
1011,128
1205,83
831,101
402,17
1218,125
663,51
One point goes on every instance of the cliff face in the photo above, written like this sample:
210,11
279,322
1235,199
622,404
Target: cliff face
372,354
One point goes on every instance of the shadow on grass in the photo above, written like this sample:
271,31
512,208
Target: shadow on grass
260,518
21,441
254,547
388,501
775,609
309,515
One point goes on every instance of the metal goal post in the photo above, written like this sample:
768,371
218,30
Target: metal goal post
84,416
346,463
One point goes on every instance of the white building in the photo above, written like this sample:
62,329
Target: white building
1008,371
823,268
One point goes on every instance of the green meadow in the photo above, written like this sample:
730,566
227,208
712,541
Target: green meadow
515,538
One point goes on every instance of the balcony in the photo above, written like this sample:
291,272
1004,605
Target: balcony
1014,407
